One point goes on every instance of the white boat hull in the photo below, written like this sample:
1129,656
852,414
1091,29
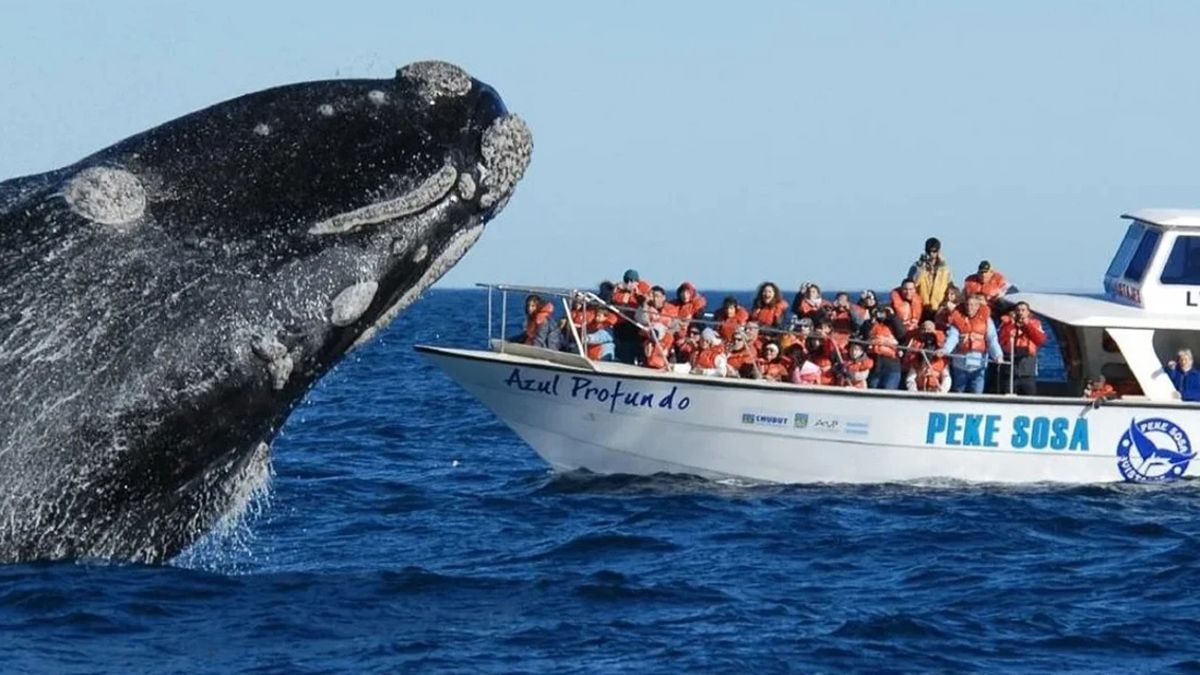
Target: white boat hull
619,419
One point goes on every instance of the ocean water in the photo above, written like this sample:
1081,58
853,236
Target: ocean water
408,530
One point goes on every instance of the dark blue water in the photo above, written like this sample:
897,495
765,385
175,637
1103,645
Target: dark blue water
407,529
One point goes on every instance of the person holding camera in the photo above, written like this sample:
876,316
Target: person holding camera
1020,336
882,333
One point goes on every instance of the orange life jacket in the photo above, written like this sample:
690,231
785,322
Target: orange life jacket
972,330
1029,339
811,307
706,358
826,365
737,359
857,372
1103,392
929,375
729,326
908,311
540,317
771,314
689,309
632,295
990,289
883,342
914,359
776,370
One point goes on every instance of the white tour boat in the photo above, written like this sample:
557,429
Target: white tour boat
616,418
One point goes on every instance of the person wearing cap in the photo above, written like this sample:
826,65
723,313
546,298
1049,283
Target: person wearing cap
632,291
1020,335
986,282
710,360
970,340
931,274
882,335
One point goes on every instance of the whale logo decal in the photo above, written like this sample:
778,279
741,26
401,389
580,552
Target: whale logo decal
1154,450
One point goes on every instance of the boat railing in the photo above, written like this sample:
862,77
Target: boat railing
567,296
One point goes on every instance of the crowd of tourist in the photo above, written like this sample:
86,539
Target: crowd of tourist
930,335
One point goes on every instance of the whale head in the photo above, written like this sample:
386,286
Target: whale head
168,300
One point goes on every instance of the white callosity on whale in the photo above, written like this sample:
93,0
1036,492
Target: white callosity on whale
165,302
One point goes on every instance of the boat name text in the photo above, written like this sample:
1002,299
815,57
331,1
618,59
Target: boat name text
619,393
983,431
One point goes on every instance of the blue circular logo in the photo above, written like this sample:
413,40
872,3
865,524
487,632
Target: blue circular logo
1154,450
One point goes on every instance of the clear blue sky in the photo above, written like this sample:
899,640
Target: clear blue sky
719,142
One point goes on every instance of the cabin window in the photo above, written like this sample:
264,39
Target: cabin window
1132,236
1141,257
1183,265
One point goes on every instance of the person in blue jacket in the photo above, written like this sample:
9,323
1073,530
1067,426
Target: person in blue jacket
1184,375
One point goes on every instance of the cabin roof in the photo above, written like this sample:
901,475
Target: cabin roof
1180,218
1083,310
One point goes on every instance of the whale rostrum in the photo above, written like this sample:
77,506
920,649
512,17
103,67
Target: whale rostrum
165,302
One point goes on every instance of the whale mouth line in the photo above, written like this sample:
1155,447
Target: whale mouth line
506,146
420,198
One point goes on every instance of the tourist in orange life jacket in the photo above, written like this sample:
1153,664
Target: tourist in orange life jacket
754,336
657,311
730,317
907,304
986,282
882,333
631,292
808,303
656,348
824,330
856,368
740,357
797,335
801,371
1098,389
688,303
941,317
818,356
710,360
689,345
841,319
924,369
970,339
599,331
771,365
537,322
1020,336
769,307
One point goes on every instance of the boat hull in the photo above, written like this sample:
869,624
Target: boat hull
618,419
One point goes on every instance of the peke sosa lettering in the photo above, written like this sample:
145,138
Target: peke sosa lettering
618,394
1022,432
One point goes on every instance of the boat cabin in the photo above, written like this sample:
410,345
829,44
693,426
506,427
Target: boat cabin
1150,308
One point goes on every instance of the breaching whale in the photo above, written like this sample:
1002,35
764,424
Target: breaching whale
165,302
